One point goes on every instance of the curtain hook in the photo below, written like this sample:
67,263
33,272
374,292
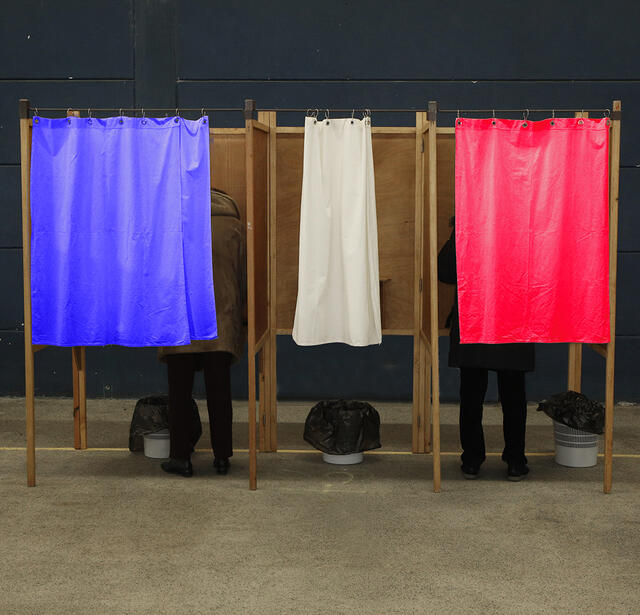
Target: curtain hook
525,115
494,114
36,110
177,111
69,110
89,112
143,115
121,114
202,112
458,115
607,112
553,113
353,112
326,114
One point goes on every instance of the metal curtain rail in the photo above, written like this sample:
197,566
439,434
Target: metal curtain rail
530,110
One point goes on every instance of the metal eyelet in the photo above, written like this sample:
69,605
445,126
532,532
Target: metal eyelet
493,123
120,121
204,120
176,120
143,121
37,121
524,124
89,121
459,122
580,122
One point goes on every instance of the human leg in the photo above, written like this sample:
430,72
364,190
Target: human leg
473,388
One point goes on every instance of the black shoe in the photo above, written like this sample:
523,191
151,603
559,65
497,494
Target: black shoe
221,465
517,471
470,472
178,466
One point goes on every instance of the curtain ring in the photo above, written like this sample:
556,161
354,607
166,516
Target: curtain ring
202,112
121,114
143,115
89,112
494,114
458,114
607,112
36,110
326,114
553,113
177,111
525,115
366,113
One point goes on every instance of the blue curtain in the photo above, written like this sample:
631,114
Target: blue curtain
121,232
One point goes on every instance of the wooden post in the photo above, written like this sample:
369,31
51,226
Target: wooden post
249,145
614,185
264,367
273,340
575,368
433,282
418,428
29,393
78,361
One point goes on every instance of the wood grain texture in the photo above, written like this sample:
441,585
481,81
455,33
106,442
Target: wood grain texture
227,160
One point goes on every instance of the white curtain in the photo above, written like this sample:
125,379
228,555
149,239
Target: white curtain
338,279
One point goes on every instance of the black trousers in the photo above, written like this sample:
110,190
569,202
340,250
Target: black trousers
473,388
217,380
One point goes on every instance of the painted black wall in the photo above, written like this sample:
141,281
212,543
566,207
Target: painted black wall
165,53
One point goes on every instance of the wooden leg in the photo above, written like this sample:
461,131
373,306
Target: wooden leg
31,414
78,354
253,456
427,403
608,420
263,428
273,395
416,422
575,368
435,404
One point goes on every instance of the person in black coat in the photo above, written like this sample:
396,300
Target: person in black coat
510,361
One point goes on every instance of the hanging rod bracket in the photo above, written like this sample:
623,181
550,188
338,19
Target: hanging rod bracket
23,105
432,111
249,108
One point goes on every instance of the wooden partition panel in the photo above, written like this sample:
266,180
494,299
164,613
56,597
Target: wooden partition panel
446,209
394,162
228,168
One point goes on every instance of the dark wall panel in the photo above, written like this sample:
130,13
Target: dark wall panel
66,39
10,207
628,311
629,214
450,95
79,95
112,371
11,305
339,39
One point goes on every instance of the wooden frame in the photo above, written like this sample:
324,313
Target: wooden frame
444,150
260,166
228,166
399,157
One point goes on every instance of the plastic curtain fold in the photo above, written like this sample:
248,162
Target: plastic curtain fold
338,276
121,232
532,230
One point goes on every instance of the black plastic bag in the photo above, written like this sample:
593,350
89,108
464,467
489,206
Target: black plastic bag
151,414
341,427
575,410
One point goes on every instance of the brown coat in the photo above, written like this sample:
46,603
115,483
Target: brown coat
229,282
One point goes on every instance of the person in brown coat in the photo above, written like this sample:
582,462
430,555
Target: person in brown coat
213,357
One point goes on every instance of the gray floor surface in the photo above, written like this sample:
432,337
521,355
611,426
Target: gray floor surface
105,531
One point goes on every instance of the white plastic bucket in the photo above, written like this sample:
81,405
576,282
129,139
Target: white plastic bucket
575,448
157,445
343,460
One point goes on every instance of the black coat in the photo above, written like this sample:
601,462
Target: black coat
519,357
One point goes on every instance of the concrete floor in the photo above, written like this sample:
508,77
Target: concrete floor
105,531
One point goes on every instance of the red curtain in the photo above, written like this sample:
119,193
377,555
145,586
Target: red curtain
532,230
